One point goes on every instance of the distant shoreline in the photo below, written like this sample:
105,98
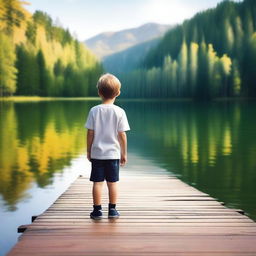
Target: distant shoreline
38,98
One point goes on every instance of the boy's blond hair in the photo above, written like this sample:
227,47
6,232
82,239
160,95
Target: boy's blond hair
109,86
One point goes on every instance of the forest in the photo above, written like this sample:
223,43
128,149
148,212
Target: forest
39,57
209,56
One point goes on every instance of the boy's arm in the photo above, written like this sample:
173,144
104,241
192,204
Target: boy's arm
123,144
90,136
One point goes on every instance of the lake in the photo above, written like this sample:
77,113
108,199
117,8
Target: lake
211,146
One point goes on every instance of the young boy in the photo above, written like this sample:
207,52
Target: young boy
106,144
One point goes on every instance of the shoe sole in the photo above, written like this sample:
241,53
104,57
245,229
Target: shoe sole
113,217
96,218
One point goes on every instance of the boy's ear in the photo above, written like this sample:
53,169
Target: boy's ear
118,93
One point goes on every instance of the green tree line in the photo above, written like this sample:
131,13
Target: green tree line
211,55
38,57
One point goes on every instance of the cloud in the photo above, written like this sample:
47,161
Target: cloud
71,1
166,11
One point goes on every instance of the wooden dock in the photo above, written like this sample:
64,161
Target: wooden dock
160,215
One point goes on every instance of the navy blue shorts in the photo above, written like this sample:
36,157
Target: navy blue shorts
105,170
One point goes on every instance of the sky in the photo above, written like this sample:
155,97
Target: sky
86,18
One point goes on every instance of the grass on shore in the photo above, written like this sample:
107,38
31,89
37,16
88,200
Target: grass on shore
38,98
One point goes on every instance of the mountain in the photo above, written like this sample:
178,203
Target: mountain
111,42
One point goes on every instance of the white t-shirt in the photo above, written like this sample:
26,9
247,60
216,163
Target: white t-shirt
106,120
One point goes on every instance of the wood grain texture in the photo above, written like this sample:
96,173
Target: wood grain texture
160,215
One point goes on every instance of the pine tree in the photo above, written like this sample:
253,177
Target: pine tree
12,13
193,67
239,35
228,39
174,79
226,69
201,90
166,75
43,88
31,32
183,68
7,66
236,79
28,72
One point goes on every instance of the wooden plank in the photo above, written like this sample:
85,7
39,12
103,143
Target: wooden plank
159,216
151,243
121,229
143,224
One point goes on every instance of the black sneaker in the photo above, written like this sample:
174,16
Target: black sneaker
96,214
113,213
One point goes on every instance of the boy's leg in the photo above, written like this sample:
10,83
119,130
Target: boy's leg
97,176
96,192
112,176
112,192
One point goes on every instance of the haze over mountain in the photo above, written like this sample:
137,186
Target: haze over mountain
128,59
108,43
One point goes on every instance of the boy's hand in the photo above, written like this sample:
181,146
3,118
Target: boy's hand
123,160
123,144
89,156
90,136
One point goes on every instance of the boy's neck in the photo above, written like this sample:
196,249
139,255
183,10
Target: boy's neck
108,101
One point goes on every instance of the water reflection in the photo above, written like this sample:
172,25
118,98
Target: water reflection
211,146
36,140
